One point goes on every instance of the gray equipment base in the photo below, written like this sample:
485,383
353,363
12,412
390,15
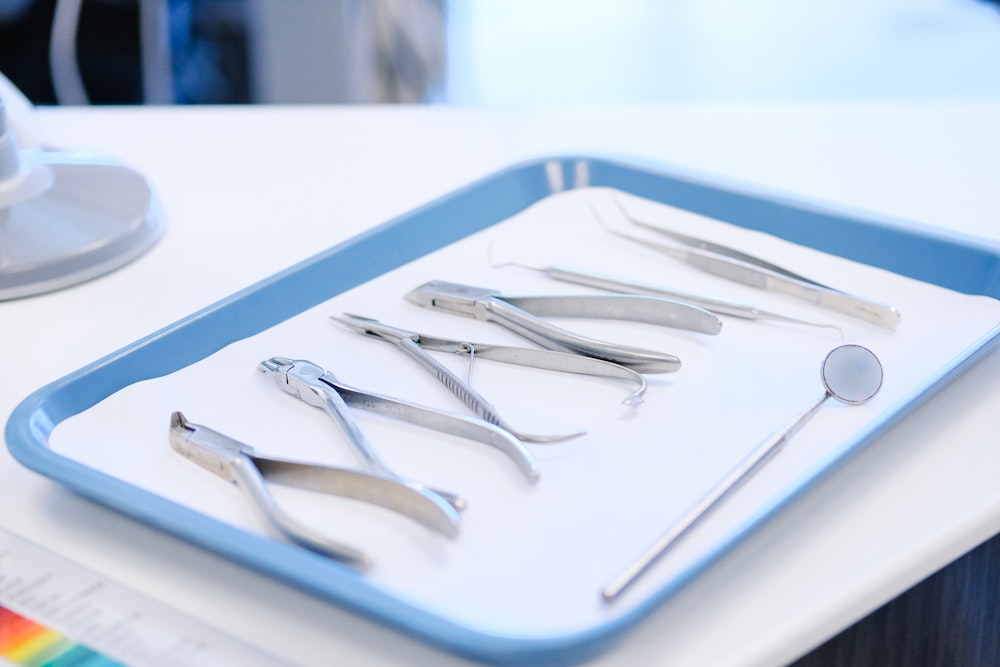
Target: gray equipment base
96,216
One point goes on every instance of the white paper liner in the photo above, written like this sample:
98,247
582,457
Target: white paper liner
530,560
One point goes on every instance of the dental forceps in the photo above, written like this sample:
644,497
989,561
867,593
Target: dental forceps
320,388
747,269
415,344
240,464
522,315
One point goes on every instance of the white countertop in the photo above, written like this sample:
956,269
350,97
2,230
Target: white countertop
250,191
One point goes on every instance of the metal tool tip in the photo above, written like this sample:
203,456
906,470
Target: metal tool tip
544,439
178,420
351,318
274,364
634,400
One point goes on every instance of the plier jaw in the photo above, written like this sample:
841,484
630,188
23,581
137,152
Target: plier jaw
466,300
302,379
209,449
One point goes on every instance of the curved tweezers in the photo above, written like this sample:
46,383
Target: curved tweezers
746,269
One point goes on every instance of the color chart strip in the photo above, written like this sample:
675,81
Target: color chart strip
29,644
106,624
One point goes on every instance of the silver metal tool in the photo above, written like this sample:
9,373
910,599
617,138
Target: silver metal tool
320,388
522,315
611,284
415,344
850,373
240,464
746,269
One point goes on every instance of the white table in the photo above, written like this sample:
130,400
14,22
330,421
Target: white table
250,191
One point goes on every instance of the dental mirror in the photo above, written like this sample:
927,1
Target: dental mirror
850,373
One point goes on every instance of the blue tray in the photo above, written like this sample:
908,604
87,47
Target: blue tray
963,265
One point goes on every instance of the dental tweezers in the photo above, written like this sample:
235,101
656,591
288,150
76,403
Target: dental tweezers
415,345
612,284
320,388
747,269
240,464
522,315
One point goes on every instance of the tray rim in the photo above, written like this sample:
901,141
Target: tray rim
33,420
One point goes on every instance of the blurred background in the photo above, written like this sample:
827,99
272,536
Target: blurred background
509,53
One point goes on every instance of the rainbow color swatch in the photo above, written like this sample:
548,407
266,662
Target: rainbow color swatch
24,642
